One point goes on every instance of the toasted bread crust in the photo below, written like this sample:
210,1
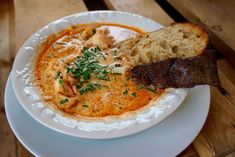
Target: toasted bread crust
178,72
199,29
181,40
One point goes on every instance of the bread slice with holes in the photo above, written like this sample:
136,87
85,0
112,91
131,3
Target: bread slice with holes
179,40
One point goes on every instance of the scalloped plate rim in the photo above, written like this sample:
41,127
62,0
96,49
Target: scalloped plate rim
86,134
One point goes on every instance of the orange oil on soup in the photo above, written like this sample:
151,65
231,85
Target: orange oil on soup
114,95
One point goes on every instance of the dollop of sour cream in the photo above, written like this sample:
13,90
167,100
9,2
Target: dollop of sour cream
119,34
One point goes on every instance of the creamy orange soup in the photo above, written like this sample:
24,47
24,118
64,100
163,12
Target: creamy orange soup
81,72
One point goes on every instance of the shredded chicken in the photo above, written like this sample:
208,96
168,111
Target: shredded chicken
101,39
67,85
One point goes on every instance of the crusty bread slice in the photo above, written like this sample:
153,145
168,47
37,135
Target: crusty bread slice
181,40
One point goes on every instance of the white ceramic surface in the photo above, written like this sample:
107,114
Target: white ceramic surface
167,139
29,95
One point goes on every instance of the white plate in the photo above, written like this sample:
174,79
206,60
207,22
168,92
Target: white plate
109,127
167,139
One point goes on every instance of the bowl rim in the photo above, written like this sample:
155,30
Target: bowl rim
23,104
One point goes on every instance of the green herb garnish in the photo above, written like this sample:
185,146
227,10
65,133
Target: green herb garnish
58,75
89,87
64,101
88,64
134,94
125,92
147,88
84,105
78,85
61,81
93,31
150,89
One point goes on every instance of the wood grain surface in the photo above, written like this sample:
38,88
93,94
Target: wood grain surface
22,151
217,137
148,8
4,32
30,15
7,139
152,10
217,16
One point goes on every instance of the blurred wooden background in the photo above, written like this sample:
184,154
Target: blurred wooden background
20,18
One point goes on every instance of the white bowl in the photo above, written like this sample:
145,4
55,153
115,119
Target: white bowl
30,97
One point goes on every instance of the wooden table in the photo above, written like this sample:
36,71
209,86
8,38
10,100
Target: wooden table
20,18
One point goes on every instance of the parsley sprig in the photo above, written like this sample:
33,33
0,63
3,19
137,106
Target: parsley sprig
59,77
86,65
64,101
89,87
153,90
